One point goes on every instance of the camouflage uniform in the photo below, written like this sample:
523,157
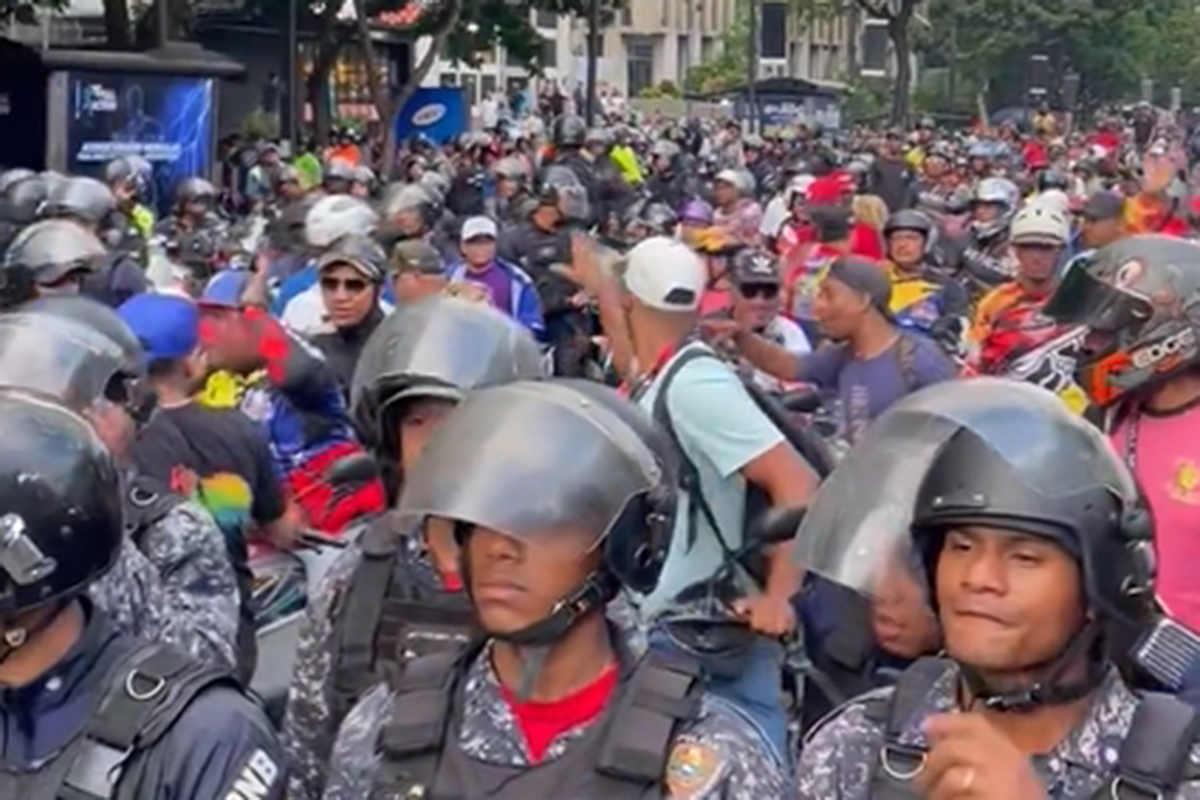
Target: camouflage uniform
311,723
717,755
181,590
839,759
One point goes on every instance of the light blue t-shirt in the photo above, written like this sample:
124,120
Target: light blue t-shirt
721,430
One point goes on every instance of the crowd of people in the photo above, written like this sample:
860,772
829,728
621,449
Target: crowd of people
659,461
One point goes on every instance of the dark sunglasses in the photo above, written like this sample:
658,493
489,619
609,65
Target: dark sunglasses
351,285
767,291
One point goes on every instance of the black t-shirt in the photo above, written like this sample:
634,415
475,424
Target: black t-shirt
207,442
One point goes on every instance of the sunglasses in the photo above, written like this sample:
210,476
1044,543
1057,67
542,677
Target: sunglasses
351,285
767,291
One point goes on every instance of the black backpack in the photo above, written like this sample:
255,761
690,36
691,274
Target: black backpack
810,447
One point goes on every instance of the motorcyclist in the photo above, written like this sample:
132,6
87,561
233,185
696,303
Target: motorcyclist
924,299
397,594
351,277
985,261
1035,548
91,204
519,562
1009,321
1138,363
338,177
737,214
669,182
78,691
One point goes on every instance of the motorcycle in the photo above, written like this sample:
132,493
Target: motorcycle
284,580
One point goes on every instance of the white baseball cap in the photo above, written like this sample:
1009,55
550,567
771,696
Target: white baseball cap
479,226
665,274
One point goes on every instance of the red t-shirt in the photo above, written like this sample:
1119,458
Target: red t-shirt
542,723
866,242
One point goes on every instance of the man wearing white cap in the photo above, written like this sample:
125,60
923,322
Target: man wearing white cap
508,287
729,445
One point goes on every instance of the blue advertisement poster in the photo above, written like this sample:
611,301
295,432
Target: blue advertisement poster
166,119
440,114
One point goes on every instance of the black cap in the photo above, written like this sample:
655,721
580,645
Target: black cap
754,269
1104,205
863,275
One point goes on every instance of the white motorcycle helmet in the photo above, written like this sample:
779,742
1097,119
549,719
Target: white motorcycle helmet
1000,192
336,216
1040,224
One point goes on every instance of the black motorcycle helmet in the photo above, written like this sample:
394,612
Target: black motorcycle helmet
195,190
1049,179
570,132
60,509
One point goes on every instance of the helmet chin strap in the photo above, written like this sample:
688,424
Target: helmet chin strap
1048,687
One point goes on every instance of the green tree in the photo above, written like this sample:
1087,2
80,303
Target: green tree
1112,44
898,14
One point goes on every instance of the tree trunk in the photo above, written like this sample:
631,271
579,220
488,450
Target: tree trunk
386,107
316,87
116,24
902,46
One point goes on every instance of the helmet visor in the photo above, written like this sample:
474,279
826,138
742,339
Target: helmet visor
1083,299
858,528
534,462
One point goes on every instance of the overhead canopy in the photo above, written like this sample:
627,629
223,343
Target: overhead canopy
177,58
778,86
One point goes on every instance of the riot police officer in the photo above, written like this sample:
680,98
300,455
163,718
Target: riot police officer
49,257
570,138
91,204
173,581
548,702
22,195
90,712
511,204
1037,556
398,594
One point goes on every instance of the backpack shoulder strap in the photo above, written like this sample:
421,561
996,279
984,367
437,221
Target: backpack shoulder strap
358,620
659,695
146,694
910,691
906,359
689,475
1155,756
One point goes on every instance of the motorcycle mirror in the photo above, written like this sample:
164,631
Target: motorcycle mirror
357,468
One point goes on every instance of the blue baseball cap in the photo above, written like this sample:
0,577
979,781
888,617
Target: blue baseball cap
168,326
226,288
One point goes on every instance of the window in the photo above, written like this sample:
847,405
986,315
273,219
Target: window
627,15
512,60
547,19
773,35
549,53
487,85
639,51
449,79
470,85
684,59
665,18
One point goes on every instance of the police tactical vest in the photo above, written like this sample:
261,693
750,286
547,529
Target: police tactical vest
1152,764
623,756
145,693
147,502
390,617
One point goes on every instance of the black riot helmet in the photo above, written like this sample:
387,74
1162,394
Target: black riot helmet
440,348
25,198
51,253
76,350
195,190
559,186
60,508
600,468
570,132
84,199
1049,179
1001,454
